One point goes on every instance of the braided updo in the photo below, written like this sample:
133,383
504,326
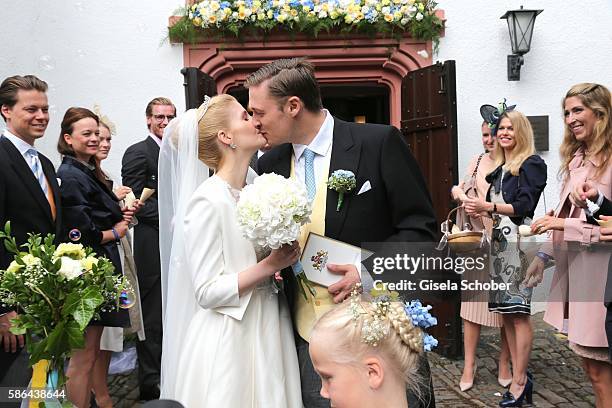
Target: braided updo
400,347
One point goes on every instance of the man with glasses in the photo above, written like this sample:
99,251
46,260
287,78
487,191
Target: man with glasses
139,170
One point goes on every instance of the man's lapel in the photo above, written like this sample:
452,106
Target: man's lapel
346,152
25,174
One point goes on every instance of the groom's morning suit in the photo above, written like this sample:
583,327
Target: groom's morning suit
139,170
389,203
24,204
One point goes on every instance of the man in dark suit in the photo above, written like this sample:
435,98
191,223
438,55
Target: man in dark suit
29,197
139,170
390,201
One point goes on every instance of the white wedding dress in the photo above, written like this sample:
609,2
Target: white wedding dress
236,352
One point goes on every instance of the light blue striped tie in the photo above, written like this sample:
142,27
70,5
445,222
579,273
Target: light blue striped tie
309,176
36,168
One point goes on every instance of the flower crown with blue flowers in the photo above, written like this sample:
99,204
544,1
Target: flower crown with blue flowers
408,319
492,115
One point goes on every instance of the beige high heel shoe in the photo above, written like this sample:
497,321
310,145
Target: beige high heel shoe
465,386
504,382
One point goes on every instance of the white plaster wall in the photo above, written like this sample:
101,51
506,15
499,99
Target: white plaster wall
104,52
112,53
572,43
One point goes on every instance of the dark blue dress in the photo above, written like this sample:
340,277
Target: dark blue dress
508,257
90,207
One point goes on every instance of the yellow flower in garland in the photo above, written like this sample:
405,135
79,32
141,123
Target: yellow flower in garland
294,13
333,15
214,6
388,18
197,21
242,13
270,14
393,296
212,19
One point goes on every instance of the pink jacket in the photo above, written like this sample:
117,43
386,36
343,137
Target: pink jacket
581,263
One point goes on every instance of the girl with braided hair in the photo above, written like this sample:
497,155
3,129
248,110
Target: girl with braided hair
367,353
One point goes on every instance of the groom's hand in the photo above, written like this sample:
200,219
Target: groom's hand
342,289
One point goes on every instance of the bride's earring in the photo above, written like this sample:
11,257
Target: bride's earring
233,146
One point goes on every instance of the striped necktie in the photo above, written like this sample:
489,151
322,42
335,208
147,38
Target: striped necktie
309,176
36,168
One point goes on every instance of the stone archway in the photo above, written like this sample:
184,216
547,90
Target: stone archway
345,60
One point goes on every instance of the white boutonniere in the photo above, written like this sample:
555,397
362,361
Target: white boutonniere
341,181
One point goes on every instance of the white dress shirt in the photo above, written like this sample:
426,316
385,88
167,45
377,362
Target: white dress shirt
19,143
321,145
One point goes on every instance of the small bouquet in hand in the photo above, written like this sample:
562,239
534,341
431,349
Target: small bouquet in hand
57,291
270,214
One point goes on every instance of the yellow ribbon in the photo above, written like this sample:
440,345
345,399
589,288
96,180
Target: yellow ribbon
39,380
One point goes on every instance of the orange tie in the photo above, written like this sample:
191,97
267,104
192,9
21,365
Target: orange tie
51,200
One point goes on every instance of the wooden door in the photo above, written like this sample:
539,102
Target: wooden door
429,126
197,84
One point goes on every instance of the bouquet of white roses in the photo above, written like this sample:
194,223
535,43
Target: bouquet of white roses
270,214
57,291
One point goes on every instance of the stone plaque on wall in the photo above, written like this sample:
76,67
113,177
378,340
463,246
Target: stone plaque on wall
540,132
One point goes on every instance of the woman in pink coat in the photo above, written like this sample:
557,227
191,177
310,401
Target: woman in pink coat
577,291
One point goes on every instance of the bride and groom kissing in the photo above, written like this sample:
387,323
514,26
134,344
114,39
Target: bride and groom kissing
230,340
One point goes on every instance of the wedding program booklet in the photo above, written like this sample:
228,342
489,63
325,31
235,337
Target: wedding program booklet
320,250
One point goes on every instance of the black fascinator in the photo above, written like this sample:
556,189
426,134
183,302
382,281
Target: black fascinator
492,114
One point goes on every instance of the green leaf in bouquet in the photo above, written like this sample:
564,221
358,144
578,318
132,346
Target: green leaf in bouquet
9,242
82,306
57,341
17,326
76,339
37,350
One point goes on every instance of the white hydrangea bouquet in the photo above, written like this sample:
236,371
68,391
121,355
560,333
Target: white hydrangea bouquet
270,214
57,292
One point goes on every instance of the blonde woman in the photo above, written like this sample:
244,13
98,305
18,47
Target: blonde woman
474,310
516,186
577,290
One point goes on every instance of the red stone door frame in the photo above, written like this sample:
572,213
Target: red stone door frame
352,60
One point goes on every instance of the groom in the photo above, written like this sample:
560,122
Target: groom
389,203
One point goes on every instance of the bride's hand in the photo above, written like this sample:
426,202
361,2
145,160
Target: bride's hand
284,256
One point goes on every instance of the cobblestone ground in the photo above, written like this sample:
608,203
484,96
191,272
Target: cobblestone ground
559,379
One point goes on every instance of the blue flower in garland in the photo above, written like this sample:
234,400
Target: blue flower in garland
429,342
421,317
419,314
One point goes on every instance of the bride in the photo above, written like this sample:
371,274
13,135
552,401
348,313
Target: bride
228,339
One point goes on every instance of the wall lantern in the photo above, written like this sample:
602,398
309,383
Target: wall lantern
520,27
